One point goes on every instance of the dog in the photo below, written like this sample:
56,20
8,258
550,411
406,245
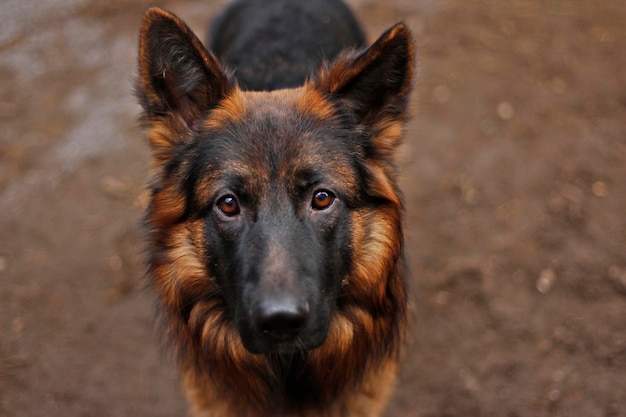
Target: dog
274,223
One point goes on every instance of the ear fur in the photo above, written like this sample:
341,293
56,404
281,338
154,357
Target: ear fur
373,87
374,84
178,78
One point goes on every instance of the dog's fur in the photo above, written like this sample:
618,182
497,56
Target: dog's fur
274,224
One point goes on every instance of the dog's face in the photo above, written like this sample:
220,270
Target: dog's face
272,190
275,182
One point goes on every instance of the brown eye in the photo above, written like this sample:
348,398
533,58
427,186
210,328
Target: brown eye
228,205
322,199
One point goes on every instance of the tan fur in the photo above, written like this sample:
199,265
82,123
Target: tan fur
353,372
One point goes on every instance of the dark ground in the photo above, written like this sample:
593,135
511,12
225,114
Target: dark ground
514,175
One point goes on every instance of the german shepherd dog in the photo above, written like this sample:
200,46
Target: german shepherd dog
274,222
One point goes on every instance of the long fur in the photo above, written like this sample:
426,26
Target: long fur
360,98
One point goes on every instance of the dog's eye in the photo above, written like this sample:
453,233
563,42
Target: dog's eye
322,199
228,205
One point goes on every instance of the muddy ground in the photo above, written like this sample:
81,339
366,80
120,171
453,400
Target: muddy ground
514,176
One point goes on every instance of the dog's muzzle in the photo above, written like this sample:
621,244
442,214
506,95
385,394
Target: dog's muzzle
280,318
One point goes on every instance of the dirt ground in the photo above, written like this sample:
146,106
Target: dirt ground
513,173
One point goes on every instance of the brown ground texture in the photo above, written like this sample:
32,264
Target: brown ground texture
514,176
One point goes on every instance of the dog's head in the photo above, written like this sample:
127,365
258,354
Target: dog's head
282,205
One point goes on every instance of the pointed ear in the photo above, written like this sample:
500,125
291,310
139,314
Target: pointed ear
374,84
179,80
373,87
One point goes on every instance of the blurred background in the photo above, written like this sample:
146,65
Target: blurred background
514,175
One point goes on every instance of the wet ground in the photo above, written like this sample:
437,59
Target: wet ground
514,176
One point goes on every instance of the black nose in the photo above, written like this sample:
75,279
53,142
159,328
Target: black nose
280,318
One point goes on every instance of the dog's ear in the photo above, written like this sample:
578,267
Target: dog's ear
373,88
374,85
179,80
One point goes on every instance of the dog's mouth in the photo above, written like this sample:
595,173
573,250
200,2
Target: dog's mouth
299,345
292,347
258,341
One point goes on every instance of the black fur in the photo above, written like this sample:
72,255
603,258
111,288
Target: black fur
279,43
